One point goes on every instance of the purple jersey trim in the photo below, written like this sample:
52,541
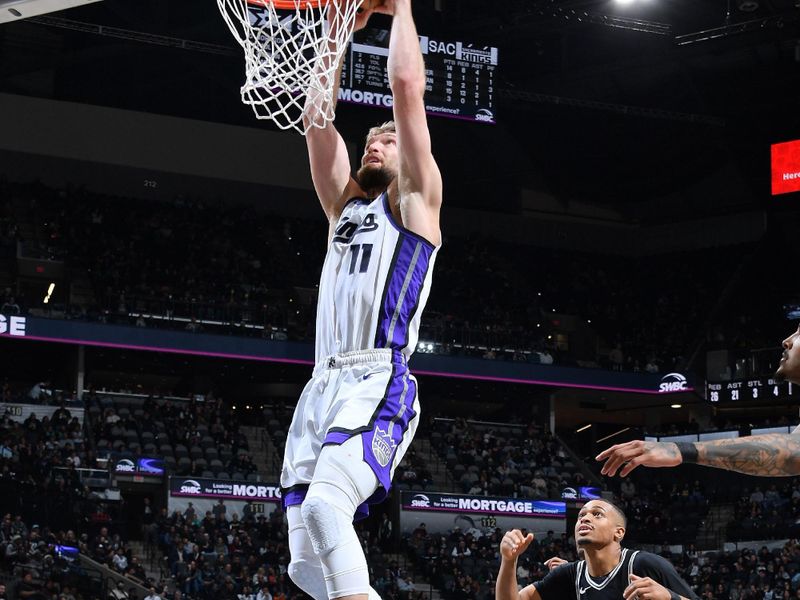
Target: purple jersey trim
294,497
337,437
297,495
400,227
389,426
402,292
386,428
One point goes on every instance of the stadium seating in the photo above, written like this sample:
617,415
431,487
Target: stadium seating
256,274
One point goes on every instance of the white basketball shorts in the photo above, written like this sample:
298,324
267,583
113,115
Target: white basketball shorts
368,393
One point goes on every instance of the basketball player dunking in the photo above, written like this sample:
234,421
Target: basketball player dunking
609,571
357,415
769,455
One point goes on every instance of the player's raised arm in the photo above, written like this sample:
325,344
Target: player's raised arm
327,152
768,455
419,179
511,546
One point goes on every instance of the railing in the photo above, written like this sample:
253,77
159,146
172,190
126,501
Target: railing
247,319
135,588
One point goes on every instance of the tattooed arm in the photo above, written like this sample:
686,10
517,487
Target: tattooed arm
768,455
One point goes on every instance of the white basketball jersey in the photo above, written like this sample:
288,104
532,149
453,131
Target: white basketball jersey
374,283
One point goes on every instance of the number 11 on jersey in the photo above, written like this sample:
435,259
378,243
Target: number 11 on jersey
366,253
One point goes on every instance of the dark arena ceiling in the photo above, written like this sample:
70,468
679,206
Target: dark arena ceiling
599,101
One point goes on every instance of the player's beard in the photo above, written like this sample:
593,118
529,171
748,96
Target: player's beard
371,179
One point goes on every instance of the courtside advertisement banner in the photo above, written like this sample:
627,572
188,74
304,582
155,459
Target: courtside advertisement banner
203,494
13,326
442,513
225,489
483,505
146,467
786,167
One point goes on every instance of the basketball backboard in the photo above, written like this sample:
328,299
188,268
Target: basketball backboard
15,10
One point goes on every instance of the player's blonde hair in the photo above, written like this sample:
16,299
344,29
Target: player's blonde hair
387,127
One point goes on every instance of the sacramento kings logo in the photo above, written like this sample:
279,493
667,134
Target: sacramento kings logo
382,446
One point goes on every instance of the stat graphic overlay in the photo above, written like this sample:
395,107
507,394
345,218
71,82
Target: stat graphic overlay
786,167
757,389
460,77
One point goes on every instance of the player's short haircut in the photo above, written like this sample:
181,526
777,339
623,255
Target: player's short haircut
387,127
618,510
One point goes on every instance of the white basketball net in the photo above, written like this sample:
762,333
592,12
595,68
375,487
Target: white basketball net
290,55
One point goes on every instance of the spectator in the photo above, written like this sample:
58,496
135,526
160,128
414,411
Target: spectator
219,510
628,489
385,533
28,588
263,593
617,358
120,560
153,594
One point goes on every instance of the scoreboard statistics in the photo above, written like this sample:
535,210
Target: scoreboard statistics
766,389
460,78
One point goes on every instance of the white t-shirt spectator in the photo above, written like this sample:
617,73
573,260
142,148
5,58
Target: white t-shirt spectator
120,561
404,584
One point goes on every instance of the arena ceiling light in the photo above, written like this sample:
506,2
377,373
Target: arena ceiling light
50,289
676,405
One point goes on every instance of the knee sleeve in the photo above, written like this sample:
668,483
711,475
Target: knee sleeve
342,481
338,547
305,569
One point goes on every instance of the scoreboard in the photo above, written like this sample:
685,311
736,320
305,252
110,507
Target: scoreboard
460,77
766,389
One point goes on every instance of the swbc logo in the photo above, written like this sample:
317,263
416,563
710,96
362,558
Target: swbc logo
673,382
126,466
190,486
569,494
420,501
14,326
484,115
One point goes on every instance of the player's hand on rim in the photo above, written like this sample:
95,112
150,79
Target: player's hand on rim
370,7
644,588
630,455
514,543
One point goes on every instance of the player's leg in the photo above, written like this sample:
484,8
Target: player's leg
342,481
300,456
305,568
